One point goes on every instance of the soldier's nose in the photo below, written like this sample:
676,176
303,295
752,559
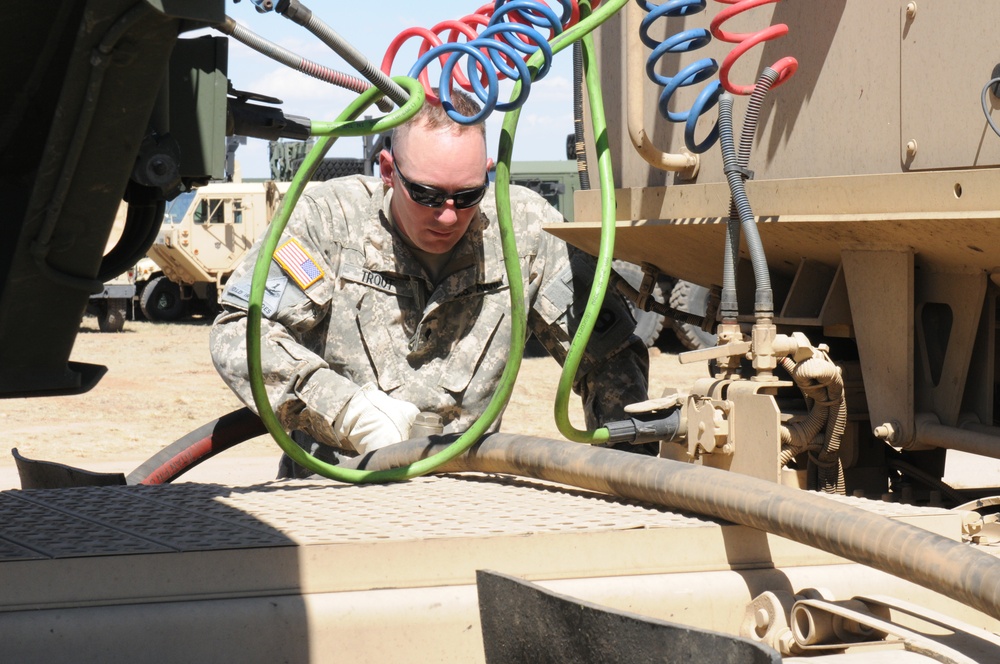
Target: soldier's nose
448,214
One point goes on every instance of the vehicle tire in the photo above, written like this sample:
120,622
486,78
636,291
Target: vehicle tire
648,324
161,300
111,315
137,313
693,299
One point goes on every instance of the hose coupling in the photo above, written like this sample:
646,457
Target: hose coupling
427,424
650,421
294,10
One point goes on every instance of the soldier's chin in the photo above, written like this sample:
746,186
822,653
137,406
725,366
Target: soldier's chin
438,243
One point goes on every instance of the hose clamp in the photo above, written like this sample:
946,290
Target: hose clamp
736,168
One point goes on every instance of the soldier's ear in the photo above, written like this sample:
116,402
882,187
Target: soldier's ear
385,167
489,164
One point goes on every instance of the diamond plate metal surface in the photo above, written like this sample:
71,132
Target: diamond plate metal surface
89,521
56,534
450,506
139,514
94,521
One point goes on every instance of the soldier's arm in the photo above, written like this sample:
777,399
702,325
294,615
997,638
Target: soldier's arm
305,393
614,371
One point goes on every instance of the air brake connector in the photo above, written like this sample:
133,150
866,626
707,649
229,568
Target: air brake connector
650,421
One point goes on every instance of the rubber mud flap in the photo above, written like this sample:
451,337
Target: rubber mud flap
523,622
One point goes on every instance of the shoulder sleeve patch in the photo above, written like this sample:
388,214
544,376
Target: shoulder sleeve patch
298,264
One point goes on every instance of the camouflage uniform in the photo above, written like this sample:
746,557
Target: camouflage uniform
375,316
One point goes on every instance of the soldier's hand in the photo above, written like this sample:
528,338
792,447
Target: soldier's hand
373,419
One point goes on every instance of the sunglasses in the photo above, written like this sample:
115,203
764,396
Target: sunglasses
434,197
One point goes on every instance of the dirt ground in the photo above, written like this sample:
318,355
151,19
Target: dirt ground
161,385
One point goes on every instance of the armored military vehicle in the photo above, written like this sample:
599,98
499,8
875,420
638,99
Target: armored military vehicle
207,230
198,252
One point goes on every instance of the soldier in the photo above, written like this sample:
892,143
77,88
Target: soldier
388,296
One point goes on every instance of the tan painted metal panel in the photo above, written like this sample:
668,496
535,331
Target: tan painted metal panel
880,286
213,541
838,115
433,625
947,56
950,219
317,571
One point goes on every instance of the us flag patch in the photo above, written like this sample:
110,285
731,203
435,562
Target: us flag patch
299,265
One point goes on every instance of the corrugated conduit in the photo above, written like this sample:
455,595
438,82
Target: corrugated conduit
945,566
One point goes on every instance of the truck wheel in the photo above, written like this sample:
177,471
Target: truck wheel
161,300
648,324
111,316
693,299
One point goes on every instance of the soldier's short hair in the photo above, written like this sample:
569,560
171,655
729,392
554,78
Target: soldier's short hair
433,116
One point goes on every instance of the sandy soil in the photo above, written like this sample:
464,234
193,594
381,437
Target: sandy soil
161,385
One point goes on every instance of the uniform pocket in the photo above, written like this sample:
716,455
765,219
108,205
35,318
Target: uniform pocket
380,323
467,356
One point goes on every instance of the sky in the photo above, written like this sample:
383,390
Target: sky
546,118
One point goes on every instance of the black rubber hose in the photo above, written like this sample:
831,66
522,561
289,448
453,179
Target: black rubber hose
142,224
201,444
945,566
730,300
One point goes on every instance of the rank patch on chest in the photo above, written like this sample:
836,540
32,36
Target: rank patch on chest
298,264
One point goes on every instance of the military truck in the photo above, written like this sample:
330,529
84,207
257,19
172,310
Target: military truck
197,253
207,230
798,509
113,305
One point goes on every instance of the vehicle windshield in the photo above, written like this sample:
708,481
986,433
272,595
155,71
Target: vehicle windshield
177,207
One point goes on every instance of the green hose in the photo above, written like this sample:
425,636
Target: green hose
581,31
342,127
603,269
346,125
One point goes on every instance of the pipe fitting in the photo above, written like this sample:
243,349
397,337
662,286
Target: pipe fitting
887,431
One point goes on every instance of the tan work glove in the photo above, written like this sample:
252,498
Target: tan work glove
372,419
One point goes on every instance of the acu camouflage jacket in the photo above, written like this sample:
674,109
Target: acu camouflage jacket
373,314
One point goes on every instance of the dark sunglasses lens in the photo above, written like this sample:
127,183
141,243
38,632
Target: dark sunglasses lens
466,199
426,196
422,194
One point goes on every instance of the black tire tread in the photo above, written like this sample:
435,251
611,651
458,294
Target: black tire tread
111,317
150,297
690,298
